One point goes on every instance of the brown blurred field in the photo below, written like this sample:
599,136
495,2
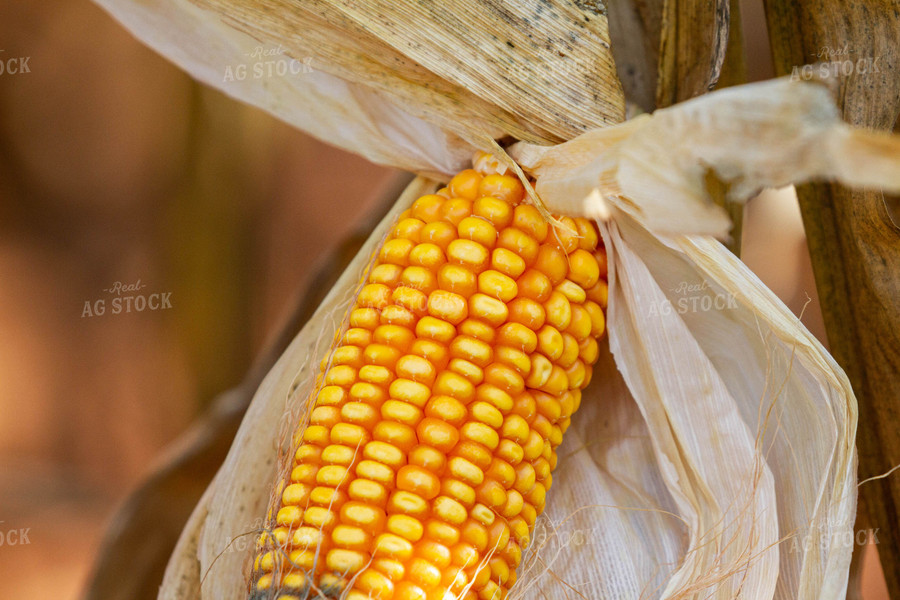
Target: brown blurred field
116,167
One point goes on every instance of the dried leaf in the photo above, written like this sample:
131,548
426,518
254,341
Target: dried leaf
407,84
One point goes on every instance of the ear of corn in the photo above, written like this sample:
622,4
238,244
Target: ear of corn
430,446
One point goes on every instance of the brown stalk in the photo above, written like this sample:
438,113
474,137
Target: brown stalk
854,245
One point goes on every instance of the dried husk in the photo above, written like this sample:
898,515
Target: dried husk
713,456
762,135
414,85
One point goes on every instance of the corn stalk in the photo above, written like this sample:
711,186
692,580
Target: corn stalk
853,241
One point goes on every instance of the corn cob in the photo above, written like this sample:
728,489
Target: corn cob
431,443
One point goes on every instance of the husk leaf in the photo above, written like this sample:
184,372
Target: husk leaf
414,85
654,167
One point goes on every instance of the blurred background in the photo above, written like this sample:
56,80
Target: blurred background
117,167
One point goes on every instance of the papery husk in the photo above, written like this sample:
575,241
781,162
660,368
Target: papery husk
655,167
415,85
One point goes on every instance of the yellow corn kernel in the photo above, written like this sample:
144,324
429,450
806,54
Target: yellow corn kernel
528,219
520,243
504,187
490,310
428,208
439,234
478,329
507,262
496,211
469,254
478,230
465,184
497,285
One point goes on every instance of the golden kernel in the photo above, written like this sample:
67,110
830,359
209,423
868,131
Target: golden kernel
507,262
480,433
427,255
519,243
490,310
360,413
583,268
559,311
386,274
411,299
447,306
449,510
438,434
376,471
407,228
550,343
527,219
396,252
419,481
598,319
477,230
534,285
497,285
389,545
385,453
434,352
357,336
471,349
469,254
405,527
414,392
581,324
455,210
588,234
419,278
296,494
445,408
401,412
335,454
529,313
465,184
490,393
368,492
506,188
435,329
477,329
415,368
396,434
289,516
566,236
515,428
452,384
470,371
428,208
348,434
498,212
459,491
346,561
505,378
381,355
486,413
439,233
394,335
